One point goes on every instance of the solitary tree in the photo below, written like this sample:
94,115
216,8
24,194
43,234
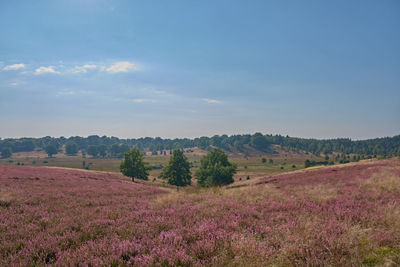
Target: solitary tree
6,152
71,148
178,169
215,169
51,150
133,166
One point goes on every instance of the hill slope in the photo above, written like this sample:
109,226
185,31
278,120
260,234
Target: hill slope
339,215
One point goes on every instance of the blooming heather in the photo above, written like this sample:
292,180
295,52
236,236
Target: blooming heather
331,216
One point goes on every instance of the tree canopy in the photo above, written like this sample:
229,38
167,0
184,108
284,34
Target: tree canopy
51,150
178,169
6,152
386,146
215,169
71,148
133,165
259,141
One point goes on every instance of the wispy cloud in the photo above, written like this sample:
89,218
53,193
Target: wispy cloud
45,70
211,101
143,100
14,66
69,92
120,66
83,69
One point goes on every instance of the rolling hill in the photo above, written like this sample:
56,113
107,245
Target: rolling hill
339,215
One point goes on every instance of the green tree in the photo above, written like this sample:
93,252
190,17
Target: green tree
215,169
51,150
263,160
71,148
6,152
258,141
102,150
178,169
307,163
93,151
133,166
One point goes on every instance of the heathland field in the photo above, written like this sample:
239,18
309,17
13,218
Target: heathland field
252,166
342,215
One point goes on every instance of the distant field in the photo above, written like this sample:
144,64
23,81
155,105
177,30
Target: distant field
251,166
345,215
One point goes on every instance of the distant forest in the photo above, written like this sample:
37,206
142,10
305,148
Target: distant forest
115,147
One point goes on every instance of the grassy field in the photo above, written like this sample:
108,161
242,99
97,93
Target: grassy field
249,166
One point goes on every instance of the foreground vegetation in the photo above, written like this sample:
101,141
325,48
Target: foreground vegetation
338,215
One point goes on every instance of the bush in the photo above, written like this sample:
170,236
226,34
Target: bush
311,163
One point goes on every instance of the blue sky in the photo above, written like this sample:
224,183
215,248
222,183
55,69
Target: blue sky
172,68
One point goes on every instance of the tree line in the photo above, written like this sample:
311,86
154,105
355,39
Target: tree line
115,147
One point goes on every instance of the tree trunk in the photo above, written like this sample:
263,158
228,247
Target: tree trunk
133,179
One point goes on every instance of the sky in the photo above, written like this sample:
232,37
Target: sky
178,68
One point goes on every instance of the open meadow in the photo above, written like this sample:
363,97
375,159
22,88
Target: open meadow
247,166
332,216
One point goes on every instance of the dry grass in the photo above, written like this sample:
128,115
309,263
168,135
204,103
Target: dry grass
253,193
391,217
6,197
385,181
247,194
320,193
